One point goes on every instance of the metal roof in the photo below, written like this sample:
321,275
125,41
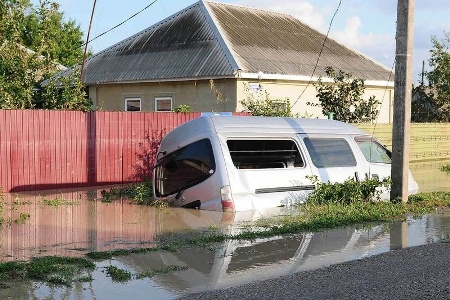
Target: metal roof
211,40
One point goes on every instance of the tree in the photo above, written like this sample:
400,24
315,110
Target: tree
432,103
344,98
35,42
259,103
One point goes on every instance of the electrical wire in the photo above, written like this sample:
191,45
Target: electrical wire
121,23
87,39
320,53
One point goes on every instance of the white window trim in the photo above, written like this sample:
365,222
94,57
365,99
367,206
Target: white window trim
164,98
133,99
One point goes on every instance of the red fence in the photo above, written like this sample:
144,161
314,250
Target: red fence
42,149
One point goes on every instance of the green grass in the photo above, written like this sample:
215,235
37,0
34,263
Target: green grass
102,255
51,269
139,193
161,271
445,168
58,201
117,274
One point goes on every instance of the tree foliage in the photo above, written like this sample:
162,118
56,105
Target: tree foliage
259,103
344,98
35,44
432,103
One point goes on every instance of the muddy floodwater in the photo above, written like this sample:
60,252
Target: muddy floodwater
36,224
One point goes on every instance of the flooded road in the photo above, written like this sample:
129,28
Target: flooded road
75,224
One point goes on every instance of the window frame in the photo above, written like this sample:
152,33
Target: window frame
127,99
293,160
163,98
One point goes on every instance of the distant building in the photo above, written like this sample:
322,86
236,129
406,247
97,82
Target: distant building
209,55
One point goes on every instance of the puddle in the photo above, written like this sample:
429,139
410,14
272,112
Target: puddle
81,225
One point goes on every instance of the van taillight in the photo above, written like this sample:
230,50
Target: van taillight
227,199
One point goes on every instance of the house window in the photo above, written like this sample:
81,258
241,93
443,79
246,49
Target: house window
132,104
163,104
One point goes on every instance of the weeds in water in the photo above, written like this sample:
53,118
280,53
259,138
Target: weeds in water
2,200
445,168
52,269
121,275
163,270
118,275
58,201
102,255
18,202
140,193
23,218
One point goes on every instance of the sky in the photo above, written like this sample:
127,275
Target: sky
367,26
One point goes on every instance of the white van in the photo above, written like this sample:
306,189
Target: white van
243,163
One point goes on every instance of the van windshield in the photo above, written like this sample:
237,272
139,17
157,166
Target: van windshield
265,154
184,168
373,151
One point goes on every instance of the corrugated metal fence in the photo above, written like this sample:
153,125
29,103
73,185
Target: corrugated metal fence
43,149
429,141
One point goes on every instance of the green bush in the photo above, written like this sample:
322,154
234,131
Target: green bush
347,192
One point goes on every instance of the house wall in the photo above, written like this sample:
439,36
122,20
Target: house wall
205,95
226,95
301,93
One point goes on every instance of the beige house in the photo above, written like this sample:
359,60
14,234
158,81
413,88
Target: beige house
211,56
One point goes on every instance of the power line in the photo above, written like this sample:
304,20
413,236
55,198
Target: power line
121,23
87,38
320,53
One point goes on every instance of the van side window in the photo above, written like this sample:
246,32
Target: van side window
373,151
184,168
328,153
265,154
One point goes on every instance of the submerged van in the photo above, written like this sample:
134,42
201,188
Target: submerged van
242,163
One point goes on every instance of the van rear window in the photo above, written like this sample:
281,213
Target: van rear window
328,153
184,168
265,154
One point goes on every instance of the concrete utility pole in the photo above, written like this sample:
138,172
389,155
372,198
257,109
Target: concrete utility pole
402,99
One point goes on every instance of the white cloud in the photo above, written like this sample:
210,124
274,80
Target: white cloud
377,46
302,10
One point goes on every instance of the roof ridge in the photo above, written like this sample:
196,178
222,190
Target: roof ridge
172,16
219,34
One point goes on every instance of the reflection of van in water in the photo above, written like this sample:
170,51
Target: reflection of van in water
245,163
